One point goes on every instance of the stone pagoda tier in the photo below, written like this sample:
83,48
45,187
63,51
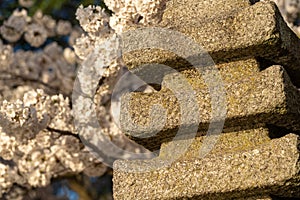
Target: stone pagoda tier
256,155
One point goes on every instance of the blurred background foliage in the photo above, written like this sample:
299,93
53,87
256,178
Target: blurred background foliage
58,9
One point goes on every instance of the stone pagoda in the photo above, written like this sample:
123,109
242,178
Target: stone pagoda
256,153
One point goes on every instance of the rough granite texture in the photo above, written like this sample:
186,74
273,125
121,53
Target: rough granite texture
227,143
266,97
257,198
256,58
202,10
250,31
266,169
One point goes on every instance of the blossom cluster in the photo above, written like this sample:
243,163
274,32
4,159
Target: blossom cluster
38,142
290,9
35,29
130,12
38,138
50,67
100,51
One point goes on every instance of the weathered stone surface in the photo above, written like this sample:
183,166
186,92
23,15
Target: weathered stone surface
231,142
265,97
202,10
257,198
250,31
269,168
230,72
253,158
